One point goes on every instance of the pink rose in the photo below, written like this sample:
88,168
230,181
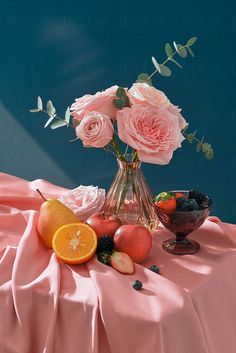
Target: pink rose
101,102
95,130
174,110
84,201
154,132
142,93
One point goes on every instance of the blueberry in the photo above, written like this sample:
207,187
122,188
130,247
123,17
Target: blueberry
185,206
137,285
193,204
180,201
154,268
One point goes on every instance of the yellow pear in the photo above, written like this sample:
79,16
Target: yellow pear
53,215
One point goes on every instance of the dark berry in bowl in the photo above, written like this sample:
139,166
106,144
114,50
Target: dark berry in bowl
188,216
193,205
180,201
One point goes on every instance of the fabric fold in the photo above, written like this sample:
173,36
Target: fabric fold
47,306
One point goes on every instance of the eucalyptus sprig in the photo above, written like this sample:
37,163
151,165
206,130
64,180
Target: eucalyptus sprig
122,99
54,119
201,146
163,69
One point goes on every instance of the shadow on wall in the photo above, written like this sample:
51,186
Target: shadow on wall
18,148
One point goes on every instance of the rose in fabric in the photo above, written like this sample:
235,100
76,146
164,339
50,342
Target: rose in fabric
154,132
101,102
95,130
142,93
84,201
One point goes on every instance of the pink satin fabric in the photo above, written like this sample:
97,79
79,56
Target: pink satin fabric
50,307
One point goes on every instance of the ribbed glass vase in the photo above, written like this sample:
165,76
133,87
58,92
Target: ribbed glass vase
130,198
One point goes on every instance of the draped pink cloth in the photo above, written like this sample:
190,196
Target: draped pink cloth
50,307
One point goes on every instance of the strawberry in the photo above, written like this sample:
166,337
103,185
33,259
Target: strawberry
166,200
163,196
169,205
121,262
179,194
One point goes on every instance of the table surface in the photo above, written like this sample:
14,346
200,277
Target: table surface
47,306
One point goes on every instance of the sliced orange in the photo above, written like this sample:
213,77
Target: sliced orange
75,243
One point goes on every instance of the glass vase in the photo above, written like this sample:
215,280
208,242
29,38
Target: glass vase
130,198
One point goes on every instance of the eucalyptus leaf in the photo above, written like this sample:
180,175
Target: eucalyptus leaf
49,121
57,124
50,108
121,93
175,46
182,51
40,103
176,62
209,154
36,110
199,147
155,63
119,103
165,71
206,147
190,52
127,102
168,50
143,77
190,137
191,41
67,116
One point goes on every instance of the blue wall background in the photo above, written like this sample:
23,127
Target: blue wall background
64,50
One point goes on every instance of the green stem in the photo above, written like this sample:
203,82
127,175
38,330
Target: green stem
175,52
126,150
194,138
57,117
135,156
116,147
108,150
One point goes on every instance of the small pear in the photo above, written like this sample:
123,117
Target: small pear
53,215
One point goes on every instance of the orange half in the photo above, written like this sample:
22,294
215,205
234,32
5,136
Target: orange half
75,243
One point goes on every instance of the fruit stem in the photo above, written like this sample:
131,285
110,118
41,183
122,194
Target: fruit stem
43,197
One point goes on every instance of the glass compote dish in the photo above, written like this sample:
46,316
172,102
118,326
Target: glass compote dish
182,223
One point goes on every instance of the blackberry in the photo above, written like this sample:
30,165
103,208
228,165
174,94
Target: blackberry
193,204
137,285
198,196
154,268
105,244
104,258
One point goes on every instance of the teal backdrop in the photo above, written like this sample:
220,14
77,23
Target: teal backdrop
63,50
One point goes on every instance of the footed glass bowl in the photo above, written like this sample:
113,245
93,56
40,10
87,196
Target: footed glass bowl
181,223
